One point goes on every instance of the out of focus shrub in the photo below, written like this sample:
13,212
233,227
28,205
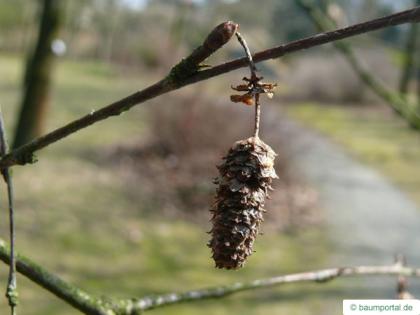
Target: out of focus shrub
172,170
328,77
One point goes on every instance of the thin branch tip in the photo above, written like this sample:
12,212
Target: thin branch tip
104,306
11,290
190,65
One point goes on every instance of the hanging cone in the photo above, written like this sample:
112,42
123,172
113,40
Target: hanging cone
244,181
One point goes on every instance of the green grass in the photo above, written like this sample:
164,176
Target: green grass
76,219
374,135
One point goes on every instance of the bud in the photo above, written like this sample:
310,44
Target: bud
220,35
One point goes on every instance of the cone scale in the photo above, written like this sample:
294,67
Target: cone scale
244,180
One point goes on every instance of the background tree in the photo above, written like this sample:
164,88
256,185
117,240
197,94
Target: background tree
323,21
409,56
37,77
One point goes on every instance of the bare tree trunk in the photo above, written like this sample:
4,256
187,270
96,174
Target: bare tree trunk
418,80
37,76
417,70
409,57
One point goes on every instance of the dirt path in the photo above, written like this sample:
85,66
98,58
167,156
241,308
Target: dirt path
368,219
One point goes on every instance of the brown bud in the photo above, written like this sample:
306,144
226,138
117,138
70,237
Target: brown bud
220,35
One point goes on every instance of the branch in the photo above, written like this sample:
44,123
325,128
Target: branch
179,77
11,291
254,82
63,290
398,103
317,276
89,305
409,54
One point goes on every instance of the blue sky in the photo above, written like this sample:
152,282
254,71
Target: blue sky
135,4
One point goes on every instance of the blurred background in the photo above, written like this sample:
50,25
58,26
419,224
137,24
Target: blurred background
121,208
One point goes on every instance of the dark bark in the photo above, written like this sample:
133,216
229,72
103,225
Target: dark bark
37,77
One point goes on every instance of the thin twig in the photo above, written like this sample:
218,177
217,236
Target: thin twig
11,291
23,154
90,305
319,276
409,58
400,104
257,115
254,82
251,63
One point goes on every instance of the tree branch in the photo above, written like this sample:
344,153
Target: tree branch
11,291
398,103
409,55
318,276
182,75
63,290
90,305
